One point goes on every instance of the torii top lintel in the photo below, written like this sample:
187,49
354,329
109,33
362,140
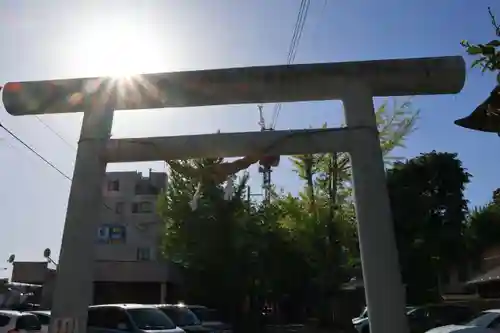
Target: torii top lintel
266,84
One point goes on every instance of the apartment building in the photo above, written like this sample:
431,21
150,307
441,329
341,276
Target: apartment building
128,266
130,229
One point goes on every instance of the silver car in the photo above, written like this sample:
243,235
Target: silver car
136,318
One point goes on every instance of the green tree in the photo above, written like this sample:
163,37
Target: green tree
204,240
233,254
483,227
429,210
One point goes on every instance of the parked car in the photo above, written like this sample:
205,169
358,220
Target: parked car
184,318
18,322
486,322
44,318
423,318
209,318
134,318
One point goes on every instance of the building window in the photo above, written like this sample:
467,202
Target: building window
113,186
103,234
111,234
142,188
117,234
142,207
119,207
143,254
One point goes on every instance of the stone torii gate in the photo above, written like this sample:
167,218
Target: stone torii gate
354,83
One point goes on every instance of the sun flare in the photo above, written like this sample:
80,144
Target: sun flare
120,49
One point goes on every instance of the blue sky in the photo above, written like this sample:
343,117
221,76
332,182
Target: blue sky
63,39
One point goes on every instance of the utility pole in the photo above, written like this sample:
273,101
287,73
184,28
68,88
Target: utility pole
250,194
267,162
266,182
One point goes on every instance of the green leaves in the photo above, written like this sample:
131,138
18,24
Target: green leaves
488,55
240,241
494,43
395,125
483,227
474,49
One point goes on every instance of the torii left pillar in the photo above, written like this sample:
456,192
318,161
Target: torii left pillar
82,220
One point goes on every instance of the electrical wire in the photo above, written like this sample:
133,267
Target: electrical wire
47,126
292,50
50,164
297,34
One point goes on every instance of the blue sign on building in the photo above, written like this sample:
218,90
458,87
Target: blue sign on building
111,234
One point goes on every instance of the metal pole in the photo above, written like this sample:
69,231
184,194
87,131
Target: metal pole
52,261
74,281
384,291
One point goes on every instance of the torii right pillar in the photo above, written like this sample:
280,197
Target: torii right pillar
379,256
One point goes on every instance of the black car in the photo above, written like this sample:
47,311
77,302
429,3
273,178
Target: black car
184,318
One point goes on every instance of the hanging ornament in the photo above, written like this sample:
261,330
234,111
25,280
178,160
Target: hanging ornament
270,161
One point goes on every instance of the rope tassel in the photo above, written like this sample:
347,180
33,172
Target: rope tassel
216,174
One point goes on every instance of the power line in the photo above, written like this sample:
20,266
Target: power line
50,164
47,126
56,133
18,139
297,34
266,168
292,50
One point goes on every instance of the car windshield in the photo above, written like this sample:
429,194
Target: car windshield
483,319
181,316
150,319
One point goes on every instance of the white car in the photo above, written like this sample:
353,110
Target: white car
44,318
18,322
485,322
